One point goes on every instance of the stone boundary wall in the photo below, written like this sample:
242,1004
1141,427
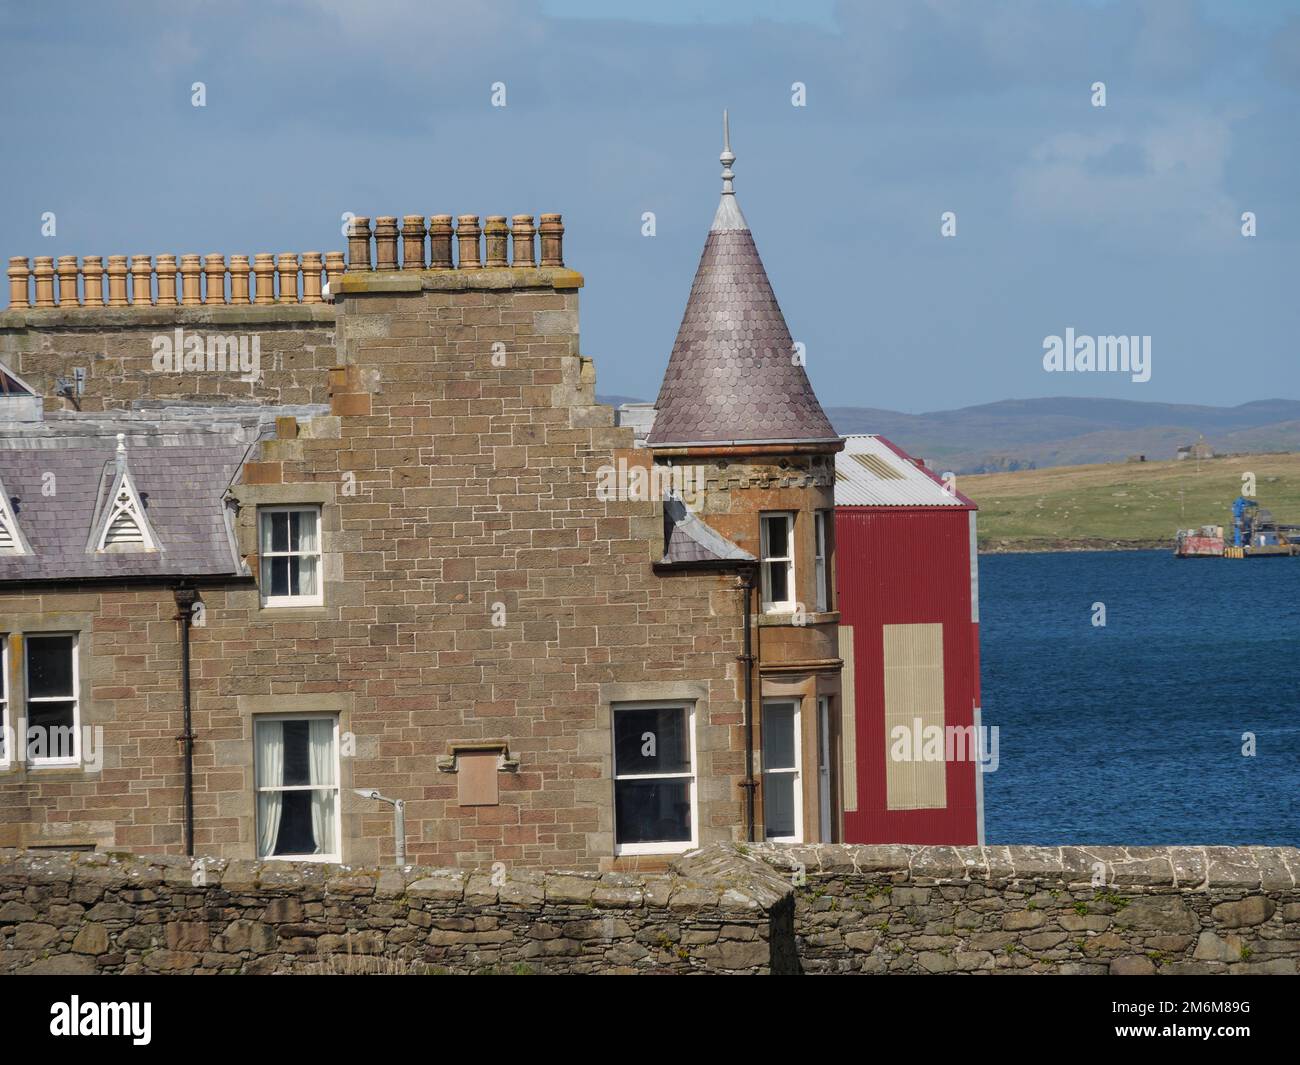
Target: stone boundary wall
1070,910
726,909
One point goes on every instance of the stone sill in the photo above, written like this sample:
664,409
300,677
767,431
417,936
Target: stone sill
830,617
501,277
82,317
294,613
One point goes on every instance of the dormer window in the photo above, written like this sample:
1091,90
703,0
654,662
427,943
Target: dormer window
12,541
126,526
121,523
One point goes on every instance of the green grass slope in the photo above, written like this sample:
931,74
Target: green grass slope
1125,504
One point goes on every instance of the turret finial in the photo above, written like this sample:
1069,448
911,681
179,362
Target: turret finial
727,157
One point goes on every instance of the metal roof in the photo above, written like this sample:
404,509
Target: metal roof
873,472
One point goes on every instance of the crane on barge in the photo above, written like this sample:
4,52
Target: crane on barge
1255,534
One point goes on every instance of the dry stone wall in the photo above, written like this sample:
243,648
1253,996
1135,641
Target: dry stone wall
725,909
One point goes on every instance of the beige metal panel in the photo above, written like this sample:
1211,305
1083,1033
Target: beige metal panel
848,720
914,703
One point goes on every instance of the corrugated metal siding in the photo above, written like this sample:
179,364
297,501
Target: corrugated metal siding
873,472
907,566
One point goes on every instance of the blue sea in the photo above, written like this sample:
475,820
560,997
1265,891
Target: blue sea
1132,732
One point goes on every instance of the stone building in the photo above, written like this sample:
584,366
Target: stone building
273,533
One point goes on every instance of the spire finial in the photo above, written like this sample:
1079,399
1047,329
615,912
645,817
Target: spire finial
120,456
727,157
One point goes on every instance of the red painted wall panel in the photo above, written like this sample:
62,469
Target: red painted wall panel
895,566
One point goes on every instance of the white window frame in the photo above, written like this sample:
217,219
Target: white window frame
6,697
666,846
820,559
75,759
796,770
334,858
263,577
825,797
782,606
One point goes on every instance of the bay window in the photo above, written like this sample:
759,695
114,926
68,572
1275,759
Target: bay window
820,522
777,545
782,785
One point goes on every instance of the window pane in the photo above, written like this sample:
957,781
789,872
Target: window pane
305,579
778,536
653,811
49,666
778,735
297,760
296,835
50,730
778,804
278,569
279,532
652,740
778,584
304,530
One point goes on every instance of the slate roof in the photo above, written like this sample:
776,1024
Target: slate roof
181,459
874,472
731,378
689,540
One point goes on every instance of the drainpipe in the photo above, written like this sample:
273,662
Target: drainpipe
186,597
749,783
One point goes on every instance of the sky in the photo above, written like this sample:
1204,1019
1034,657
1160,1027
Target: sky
1117,220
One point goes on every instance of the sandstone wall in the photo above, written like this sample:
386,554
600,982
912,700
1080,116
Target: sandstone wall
116,349
726,909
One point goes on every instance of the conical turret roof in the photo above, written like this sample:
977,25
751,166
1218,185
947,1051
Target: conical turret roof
733,377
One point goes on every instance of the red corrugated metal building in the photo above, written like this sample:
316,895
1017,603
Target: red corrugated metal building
908,595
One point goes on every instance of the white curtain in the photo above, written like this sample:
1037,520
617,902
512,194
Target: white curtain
321,763
270,773
308,544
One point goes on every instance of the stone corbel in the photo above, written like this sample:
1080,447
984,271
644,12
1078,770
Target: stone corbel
447,763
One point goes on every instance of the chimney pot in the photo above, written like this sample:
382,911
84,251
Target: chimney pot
359,244
467,232
19,270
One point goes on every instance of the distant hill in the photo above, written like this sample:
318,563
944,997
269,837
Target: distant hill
1029,433
1017,434
1123,504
